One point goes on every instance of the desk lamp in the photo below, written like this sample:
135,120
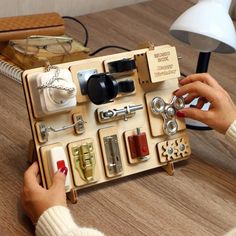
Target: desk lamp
208,28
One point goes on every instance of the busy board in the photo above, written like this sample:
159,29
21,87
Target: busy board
106,117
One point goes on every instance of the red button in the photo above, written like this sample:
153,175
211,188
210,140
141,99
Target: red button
60,164
144,148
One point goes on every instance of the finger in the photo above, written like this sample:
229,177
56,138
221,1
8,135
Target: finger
204,78
39,180
59,180
31,176
190,97
201,89
181,77
201,102
196,114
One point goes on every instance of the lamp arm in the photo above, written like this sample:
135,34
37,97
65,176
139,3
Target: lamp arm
202,67
203,62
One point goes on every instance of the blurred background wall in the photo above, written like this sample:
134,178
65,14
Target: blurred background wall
64,7
70,7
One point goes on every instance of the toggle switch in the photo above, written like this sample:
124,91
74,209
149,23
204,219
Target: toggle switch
138,144
57,159
122,65
61,164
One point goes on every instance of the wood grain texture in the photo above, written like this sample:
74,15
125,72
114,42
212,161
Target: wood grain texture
200,199
64,7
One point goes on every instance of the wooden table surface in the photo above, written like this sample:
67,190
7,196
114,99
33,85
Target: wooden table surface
200,199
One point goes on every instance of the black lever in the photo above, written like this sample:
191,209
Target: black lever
121,65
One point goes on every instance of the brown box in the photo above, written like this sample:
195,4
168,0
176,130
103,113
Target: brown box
20,27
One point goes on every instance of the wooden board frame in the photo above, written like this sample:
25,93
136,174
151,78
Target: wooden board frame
92,126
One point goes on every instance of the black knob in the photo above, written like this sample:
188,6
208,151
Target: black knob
101,88
121,65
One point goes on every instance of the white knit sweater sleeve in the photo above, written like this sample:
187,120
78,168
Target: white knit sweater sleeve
58,221
230,134
231,233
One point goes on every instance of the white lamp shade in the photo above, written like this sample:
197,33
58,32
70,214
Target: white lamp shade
207,26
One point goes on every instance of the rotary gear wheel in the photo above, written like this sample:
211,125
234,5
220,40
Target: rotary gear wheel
182,147
169,151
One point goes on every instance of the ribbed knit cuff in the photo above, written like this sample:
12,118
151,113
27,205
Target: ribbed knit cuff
230,134
57,221
231,233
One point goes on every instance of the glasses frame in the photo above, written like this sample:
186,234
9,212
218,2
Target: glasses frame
60,40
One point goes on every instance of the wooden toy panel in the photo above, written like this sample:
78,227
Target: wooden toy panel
99,145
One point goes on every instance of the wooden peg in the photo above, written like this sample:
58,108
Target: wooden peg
72,196
147,44
32,153
169,168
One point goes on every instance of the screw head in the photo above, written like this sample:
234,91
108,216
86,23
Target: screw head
170,112
170,150
181,147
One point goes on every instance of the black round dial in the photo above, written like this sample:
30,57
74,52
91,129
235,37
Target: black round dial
101,88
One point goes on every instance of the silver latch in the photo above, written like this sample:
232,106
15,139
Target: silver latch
113,154
44,130
121,113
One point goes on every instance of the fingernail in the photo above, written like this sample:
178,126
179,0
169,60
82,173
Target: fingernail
180,114
64,170
180,79
175,91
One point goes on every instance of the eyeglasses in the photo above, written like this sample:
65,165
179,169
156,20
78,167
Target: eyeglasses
33,44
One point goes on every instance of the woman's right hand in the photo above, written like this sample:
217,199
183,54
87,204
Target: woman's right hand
222,111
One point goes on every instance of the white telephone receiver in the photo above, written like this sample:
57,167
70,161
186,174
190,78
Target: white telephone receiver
57,91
